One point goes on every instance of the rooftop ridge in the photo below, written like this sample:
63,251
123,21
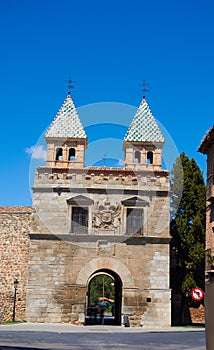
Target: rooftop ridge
207,141
16,209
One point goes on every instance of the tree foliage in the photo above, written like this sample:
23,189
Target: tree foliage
101,286
188,220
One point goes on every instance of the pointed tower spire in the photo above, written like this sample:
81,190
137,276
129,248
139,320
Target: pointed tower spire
143,141
67,122
66,138
144,127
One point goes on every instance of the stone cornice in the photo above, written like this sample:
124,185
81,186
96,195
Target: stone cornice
88,170
102,189
16,210
134,240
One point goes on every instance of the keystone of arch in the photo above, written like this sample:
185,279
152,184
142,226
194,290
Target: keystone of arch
105,263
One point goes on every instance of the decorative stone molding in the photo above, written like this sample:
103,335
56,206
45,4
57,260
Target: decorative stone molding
105,263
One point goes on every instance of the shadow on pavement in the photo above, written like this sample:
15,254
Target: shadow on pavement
20,348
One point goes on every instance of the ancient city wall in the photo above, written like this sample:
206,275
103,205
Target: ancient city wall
14,240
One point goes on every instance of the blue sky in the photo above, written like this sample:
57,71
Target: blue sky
108,48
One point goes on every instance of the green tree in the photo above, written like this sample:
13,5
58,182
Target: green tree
188,220
101,286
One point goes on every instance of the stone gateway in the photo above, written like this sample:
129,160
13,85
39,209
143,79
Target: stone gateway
89,221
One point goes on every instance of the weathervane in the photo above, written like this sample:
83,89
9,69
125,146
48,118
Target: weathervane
145,86
70,85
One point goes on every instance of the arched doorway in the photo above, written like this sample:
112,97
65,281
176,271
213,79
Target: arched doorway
104,298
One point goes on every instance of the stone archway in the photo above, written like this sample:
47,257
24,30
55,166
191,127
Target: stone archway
119,272
94,312
105,263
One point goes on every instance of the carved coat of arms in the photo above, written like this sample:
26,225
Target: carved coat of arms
106,215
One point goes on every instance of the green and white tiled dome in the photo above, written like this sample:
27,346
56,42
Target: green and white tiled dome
144,128
67,123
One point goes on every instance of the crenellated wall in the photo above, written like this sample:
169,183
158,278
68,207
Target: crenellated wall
102,175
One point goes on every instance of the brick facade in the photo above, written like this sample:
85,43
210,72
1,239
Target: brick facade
14,243
207,147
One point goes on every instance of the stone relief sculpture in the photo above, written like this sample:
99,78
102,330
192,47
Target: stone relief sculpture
106,216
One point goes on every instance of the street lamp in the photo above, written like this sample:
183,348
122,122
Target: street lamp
14,298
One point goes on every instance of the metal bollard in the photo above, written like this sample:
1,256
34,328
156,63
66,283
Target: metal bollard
126,321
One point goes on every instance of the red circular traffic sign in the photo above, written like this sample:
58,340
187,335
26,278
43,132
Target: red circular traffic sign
197,294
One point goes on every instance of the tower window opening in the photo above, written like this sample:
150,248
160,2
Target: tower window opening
59,154
71,154
150,158
137,157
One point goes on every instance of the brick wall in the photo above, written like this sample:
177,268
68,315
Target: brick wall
197,315
14,239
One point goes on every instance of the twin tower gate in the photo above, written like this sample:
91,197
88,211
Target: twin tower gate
90,221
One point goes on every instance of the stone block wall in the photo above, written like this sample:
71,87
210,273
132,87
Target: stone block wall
59,273
14,240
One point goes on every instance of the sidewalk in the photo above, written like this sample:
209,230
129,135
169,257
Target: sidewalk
68,328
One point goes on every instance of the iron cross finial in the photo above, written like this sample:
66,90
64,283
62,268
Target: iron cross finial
70,85
145,86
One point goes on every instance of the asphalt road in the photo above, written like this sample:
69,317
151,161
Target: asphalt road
102,340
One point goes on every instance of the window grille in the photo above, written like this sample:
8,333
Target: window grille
79,224
134,221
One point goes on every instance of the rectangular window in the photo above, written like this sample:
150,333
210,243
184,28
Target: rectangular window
79,223
134,221
212,213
